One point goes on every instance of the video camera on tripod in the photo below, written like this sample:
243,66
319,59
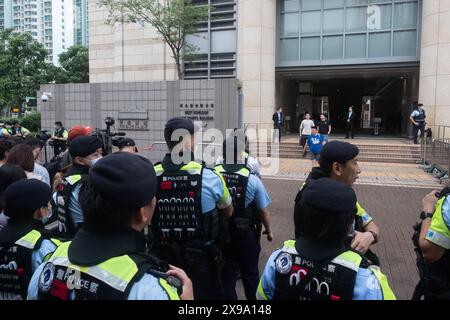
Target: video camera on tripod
44,136
107,137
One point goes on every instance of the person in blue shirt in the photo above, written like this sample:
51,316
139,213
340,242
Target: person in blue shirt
193,202
85,152
24,244
434,245
319,264
250,203
106,260
315,143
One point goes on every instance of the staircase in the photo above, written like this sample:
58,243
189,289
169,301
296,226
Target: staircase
392,153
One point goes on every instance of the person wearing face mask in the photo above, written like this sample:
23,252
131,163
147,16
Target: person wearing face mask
24,243
59,138
85,152
417,118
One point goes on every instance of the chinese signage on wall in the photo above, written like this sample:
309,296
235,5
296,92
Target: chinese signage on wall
133,119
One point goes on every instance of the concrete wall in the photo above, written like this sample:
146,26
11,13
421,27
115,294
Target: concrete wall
126,53
90,104
434,87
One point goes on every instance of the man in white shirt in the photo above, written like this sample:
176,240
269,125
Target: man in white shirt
305,130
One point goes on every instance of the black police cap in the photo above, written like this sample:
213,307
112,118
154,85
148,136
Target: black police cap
126,179
181,123
339,151
26,195
330,195
126,142
84,146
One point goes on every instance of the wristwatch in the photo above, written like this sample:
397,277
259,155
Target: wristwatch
424,215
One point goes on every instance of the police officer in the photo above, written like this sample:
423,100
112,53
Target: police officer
192,201
24,244
17,130
338,161
318,265
106,259
85,152
250,202
434,244
127,145
417,118
59,138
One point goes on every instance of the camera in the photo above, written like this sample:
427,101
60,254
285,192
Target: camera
43,135
107,137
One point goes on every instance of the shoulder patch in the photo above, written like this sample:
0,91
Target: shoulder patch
283,263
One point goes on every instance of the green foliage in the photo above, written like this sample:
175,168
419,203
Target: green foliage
32,121
22,67
172,19
74,66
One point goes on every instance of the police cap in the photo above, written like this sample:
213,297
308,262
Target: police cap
26,195
125,142
124,178
339,151
181,123
84,146
330,195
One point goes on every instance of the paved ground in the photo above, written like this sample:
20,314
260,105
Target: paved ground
395,210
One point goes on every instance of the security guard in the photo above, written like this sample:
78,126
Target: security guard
192,201
338,161
318,265
250,202
3,131
106,258
434,243
24,244
85,152
59,138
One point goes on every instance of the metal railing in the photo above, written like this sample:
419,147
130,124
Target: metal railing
435,151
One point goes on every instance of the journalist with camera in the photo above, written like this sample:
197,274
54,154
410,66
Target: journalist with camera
107,137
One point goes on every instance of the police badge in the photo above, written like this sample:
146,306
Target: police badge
46,277
283,264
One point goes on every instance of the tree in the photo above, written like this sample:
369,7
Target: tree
172,19
22,67
74,66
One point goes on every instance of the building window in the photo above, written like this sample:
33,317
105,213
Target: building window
334,31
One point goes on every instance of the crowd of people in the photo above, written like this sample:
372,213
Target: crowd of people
116,226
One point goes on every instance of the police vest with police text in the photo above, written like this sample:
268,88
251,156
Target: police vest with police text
15,265
178,215
109,280
331,280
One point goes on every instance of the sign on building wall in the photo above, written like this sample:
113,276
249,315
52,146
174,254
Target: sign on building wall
133,119
198,112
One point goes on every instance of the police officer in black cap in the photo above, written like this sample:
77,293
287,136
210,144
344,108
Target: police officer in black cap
127,145
192,201
85,152
24,244
318,265
338,161
106,259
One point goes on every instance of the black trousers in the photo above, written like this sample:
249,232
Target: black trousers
241,256
416,129
279,133
349,130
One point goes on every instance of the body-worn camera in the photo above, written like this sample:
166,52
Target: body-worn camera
106,136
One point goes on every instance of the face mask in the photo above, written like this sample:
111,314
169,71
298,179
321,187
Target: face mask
95,161
47,217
